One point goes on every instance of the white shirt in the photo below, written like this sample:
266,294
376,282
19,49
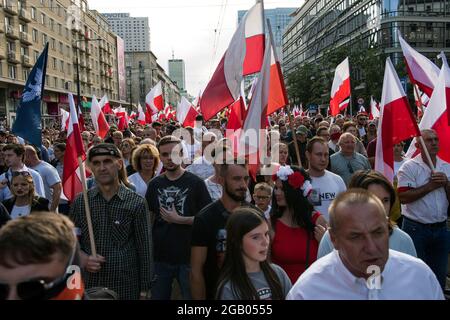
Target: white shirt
403,278
139,183
431,208
18,212
39,189
325,190
49,176
333,146
397,165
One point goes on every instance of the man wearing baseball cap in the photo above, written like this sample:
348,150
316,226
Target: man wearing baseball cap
122,229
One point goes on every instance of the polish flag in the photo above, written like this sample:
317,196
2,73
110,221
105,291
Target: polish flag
256,119
436,115
277,90
254,39
141,115
340,90
237,115
394,111
421,70
170,114
225,85
74,148
296,111
98,119
104,104
186,113
374,109
64,120
154,99
81,121
133,115
122,116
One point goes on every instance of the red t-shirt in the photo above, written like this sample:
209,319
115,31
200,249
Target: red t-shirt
289,248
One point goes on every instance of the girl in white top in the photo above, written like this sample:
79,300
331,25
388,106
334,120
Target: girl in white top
145,161
127,146
376,183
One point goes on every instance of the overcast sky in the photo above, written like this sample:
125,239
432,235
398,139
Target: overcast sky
198,31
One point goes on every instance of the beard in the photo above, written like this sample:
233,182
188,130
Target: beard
233,194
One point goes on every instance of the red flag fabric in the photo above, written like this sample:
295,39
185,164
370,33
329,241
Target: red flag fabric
436,116
394,111
105,105
186,113
254,39
154,99
98,119
74,149
421,70
340,90
225,85
237,115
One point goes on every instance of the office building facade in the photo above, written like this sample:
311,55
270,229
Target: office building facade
319,26
177,74
135,31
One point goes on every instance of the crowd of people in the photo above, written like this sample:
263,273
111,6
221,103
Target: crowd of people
323,225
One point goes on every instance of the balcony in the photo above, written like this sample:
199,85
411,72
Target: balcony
24,15
103,85
75,62
10,7
11,32
26,61
102,73
89,66
25,38
83,64
12,57
83,79
90,81
88,51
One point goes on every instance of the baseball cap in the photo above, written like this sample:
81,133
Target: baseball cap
302,130
104,149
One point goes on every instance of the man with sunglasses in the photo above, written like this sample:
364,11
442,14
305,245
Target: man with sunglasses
14,156
122,229
347,161
38,259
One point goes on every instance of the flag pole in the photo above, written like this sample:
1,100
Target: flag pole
294,135
86,205
427,154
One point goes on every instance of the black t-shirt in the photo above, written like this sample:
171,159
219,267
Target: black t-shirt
209,231
189,194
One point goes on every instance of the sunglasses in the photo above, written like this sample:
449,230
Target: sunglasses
350,168
37,289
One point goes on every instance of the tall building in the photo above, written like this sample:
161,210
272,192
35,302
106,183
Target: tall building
143,72
135,31
320,25
279,19
177,73
79,40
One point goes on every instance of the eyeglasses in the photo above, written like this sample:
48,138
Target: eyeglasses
350,168
36,289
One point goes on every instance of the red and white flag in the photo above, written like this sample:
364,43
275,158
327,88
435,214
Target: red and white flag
421,70
237,115
277,90
154,99
340,90
105,106
256,119
254,39
122,116
64,119
98,119
186,113
436,115
374,109
225,85
74,148
170,114
394,111
141,115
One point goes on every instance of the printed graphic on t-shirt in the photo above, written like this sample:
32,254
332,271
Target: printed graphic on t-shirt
173,195
221,246
264,294
315,197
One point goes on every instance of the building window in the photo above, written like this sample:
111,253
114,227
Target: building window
25,73
35,35
33,13
44,39
43,19
12,72
54,63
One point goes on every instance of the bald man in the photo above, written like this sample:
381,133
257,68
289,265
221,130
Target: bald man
362,267
49,175
347,161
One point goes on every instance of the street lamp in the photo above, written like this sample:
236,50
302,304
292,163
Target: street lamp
78,68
